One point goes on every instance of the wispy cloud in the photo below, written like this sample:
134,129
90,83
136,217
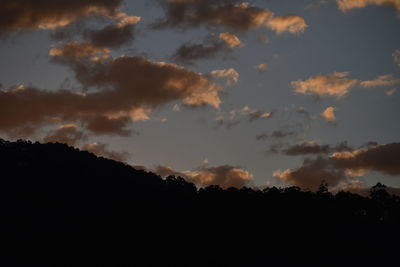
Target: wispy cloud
346,5
336,84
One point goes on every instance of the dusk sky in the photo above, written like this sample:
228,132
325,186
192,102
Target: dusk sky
264,92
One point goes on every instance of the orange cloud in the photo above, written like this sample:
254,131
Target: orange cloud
16,15
329,114
381,158
120,97
346,5
291,23
225,176
261,67
157,84
231,39
383,80
231,75
78,50
335,84
310,175
344,165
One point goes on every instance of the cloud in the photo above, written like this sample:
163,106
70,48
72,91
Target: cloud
391,92
329,114
68,134
228,122
225,176
235,115
231,75
311,175
276,134
77,50
335,84
165,171
259,115
383,80
102,150
215,12
71,135
157,84
313,147
342,166
231,40
380,158
126,89
113,35
291,23
261,67
17,15
354,186
108,125
308,147
346,5
176,108
119,31
189,52
211,47
231,14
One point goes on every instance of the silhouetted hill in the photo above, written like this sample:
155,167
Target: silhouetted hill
62,206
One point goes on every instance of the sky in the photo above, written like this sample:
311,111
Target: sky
258,93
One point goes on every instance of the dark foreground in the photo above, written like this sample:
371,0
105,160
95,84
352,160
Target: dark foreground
63,207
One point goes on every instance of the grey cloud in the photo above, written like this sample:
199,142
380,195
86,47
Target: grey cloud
18,15
232,14
120,96
341,166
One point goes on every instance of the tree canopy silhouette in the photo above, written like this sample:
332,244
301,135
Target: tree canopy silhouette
60,205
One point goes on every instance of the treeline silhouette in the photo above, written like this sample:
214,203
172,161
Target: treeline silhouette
61,206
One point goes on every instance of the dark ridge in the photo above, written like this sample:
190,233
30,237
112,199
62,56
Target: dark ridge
60,206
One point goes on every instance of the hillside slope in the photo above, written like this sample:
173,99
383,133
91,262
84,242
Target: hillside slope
62,206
